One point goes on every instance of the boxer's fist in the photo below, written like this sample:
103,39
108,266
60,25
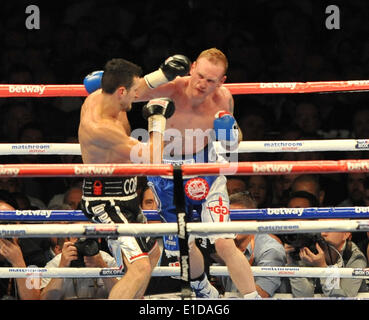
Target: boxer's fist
161,106
225,127
156,111
92,81
177,65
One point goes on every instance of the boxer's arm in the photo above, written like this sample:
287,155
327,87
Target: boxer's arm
108,135
146,93
111,137
160,83
176,65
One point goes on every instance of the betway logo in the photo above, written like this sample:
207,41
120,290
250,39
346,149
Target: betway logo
8,171
93,170
358,166
280,85
293,211
272,168
36,213
21,88
358,82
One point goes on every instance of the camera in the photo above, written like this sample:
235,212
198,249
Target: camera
86,247
301,240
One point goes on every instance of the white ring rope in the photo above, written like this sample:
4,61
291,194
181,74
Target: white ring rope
40,148
200,229
244,147
308,272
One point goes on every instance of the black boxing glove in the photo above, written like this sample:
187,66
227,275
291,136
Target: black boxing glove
156,111
177,65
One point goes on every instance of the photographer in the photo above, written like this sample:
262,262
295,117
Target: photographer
327,249
81,253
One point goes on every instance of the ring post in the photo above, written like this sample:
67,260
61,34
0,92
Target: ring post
179,202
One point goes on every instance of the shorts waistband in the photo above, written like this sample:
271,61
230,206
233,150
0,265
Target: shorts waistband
110,187
107,198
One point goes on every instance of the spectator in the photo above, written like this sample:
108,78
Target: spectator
33,249
331,249
307,119
16,187
158,285
309,183
354,183
235,184
260,250
261,190
147,199
77,288
11,256
72,196
282,188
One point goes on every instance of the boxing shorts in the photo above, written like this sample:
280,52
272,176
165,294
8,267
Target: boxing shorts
206,200
115,200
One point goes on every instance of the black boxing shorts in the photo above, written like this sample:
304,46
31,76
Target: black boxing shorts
115,200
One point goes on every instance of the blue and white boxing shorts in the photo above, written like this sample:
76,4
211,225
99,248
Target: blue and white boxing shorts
206,195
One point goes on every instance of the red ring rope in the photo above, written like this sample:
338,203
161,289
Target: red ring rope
242,168
78,90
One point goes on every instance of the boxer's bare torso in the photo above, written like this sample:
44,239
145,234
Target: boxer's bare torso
197,99
104,137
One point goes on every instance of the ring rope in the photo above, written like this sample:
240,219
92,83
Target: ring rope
229,168
270,227
266,271
235,214
78,90
199,229
244,147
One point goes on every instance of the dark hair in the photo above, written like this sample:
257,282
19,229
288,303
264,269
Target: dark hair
119,72
142,193
243,198
306,195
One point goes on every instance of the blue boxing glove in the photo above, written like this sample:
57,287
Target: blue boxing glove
92,81
225,127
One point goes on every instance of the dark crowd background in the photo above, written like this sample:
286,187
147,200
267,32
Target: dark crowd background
264,40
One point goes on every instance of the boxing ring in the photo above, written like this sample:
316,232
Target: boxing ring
269,220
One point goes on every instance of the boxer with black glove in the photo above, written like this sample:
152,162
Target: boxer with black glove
177,65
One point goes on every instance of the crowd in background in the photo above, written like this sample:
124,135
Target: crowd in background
268,41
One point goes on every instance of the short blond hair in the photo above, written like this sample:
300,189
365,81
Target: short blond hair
215,56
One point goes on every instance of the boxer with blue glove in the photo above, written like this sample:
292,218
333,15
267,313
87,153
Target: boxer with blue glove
203,105
227,130
104,135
